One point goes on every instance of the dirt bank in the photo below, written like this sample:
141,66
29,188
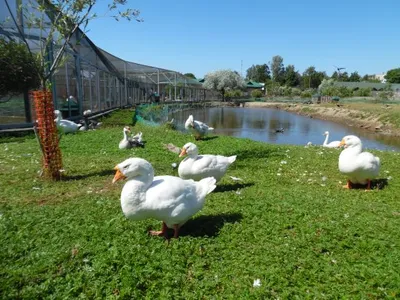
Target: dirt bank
372,117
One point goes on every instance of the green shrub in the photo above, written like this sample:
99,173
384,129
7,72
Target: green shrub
237,93
307,93
256,93
19,69
362,92
296,92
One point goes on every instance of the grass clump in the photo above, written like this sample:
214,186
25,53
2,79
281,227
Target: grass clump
288,223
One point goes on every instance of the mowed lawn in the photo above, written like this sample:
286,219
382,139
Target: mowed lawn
288,225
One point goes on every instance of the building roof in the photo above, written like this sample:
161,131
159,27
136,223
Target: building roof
372,85
254,84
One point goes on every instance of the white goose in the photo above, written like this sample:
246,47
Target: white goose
333,144
199,129
138,137
129,142
169,199
197,166
65,126
359,167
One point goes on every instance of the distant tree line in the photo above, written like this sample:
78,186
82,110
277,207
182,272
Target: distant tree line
281,80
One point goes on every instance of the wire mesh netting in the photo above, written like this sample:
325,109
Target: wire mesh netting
90,78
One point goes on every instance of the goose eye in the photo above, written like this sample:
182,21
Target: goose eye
126,167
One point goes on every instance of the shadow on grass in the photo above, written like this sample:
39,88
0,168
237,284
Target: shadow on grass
208,138
377,184
231,187
255,153
209,225
79,177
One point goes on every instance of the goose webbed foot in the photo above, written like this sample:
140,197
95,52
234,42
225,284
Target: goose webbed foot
162,232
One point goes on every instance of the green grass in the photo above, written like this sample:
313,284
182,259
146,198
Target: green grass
304,237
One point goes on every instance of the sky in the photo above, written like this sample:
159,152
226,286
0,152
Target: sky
204,36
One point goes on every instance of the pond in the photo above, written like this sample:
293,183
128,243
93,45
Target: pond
260,124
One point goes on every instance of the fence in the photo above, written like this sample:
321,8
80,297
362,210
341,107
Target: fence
92,78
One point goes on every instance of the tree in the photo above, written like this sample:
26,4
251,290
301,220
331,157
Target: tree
354,77
344,77
190,75
259,73
393,76
370,78
60,23
335,75
222,81
278,69
57,25
312,78
292,77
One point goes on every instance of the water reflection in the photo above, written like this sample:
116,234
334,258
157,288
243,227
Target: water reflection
261,124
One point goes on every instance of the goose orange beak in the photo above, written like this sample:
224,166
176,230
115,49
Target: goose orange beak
342,144
183,152
118,175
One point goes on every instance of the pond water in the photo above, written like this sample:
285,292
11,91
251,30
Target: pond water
260,124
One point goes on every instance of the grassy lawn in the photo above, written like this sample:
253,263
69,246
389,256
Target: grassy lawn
289,224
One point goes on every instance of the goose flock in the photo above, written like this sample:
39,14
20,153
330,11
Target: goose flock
174,200
65,126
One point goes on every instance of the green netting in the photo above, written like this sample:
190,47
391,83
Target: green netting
158,114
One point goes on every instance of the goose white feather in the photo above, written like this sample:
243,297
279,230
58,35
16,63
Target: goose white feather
334,144
169,199
65,126
359,167
138,137
196,166
198,128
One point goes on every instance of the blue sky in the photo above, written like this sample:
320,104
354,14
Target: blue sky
204,36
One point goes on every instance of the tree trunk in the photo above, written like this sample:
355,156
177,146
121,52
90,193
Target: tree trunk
47,134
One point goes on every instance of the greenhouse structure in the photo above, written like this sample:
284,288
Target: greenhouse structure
90,77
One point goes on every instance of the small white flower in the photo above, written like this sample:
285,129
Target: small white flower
61,170
280,169
238,192
85,260
257,283
334,261
174,165
236,178
36,188
323,184
387,172
89,192
278,174
389,178
324,178
283,162
301,157
298,180
309,179
340,182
